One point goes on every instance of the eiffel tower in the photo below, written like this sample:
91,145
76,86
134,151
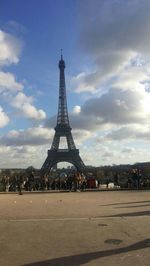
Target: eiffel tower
62,129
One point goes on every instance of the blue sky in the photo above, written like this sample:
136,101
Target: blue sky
107,54
44,29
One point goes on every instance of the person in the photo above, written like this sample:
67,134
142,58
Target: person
31,181
107,182
116,179
78,181
70,181
83,182
19,184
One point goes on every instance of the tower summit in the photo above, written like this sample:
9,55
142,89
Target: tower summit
62,118
62,129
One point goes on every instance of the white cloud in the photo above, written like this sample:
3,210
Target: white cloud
128,150
80,136
76,109
119,106
4,119
113,34
23,148
115,26
22,156
130,132
10,49
8,82
24,104
133,77
78,83
32,136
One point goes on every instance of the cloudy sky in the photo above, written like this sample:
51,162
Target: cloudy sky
106,47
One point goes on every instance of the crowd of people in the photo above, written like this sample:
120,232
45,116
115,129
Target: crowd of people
74,181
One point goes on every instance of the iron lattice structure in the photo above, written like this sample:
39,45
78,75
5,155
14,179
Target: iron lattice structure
63,129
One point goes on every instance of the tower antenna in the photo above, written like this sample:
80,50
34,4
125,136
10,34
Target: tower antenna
61,53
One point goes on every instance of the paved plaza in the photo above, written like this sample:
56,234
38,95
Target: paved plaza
72,229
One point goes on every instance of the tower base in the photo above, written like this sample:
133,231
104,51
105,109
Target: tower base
63,155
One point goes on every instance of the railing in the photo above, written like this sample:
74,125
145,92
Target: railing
64,150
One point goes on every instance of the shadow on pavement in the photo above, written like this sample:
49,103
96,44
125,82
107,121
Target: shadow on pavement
77,260
133,206
125,203
132,214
